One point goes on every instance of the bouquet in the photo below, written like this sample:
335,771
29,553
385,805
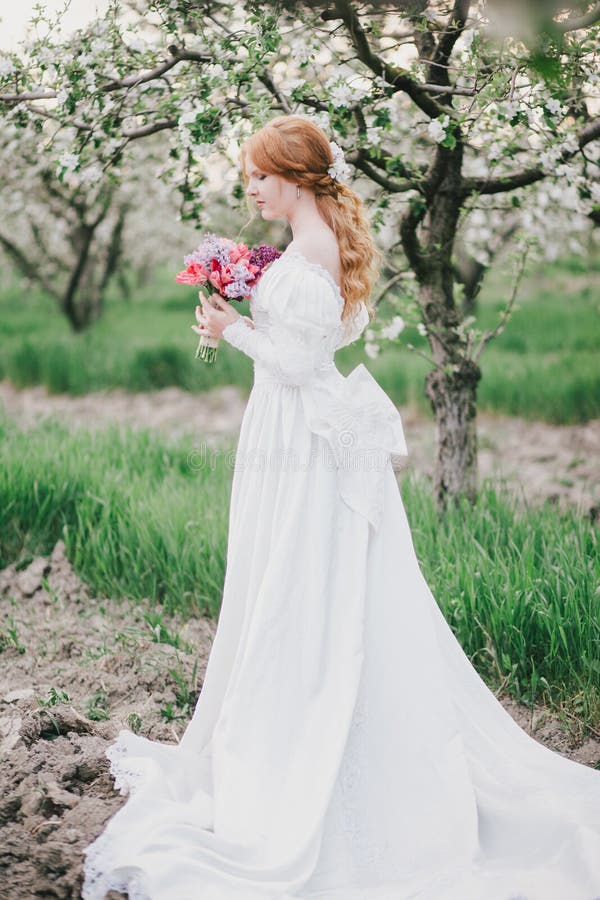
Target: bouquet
229,269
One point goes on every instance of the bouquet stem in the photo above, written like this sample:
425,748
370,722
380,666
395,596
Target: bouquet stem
207,349
207,346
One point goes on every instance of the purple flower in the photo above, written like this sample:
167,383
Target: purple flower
264,255
212,247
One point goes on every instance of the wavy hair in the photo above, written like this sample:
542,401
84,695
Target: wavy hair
298,150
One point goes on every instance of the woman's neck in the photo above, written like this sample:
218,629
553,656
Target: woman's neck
305,217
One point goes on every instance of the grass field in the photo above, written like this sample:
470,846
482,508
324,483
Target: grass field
141,518
545,366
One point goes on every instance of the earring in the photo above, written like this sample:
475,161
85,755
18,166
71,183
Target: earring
298,191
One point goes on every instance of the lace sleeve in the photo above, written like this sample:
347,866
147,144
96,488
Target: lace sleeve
304,326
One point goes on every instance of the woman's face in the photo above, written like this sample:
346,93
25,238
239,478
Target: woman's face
273,194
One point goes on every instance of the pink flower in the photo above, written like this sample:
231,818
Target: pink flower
193,274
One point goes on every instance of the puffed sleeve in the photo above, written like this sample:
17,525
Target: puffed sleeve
304,326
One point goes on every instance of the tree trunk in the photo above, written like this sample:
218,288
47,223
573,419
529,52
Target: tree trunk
453,398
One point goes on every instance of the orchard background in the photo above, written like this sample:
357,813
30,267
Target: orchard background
472,132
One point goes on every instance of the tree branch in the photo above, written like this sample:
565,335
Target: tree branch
266,79
28,95
150,128
26,266
389,284
177,55
575,23
397,77
487,336
514,180
359,160
116,84
447,40
410,242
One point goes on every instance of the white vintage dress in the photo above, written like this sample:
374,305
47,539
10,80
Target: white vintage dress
343,747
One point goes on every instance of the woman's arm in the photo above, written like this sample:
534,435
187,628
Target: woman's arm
304,327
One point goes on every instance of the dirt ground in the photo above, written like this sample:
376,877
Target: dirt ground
558,463
75,669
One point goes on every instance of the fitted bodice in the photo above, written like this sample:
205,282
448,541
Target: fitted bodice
261,303
297,312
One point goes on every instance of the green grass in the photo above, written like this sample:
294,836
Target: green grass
143,518
545,366
520,587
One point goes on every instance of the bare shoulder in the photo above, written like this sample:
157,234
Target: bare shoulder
323,250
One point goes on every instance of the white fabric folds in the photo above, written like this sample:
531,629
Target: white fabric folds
343,747
294,344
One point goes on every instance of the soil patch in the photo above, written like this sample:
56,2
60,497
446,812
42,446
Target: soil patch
75,670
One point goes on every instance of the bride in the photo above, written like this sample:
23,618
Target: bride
343,747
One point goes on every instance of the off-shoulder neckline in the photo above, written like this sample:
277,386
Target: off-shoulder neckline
316,267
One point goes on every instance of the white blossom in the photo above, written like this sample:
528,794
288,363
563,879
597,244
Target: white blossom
437,128
339,169
216,71
374,134
343,94
468,37
393,328
372,350
554,106
568,144
422,329
201,151
7,67
549,159
68,162
45,55
509,108
393,110
301,51
92,174
136,43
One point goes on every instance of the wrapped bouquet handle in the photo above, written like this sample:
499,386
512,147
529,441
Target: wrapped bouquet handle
207,346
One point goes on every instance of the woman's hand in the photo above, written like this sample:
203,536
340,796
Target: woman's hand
211,320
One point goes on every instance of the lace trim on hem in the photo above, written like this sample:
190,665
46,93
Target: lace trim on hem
97,884
98,877
127,778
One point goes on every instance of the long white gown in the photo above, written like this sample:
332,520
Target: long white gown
343,747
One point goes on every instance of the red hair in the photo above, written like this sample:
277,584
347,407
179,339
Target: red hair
298,150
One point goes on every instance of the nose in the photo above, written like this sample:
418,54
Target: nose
251,189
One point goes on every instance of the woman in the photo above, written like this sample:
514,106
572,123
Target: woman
343,746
